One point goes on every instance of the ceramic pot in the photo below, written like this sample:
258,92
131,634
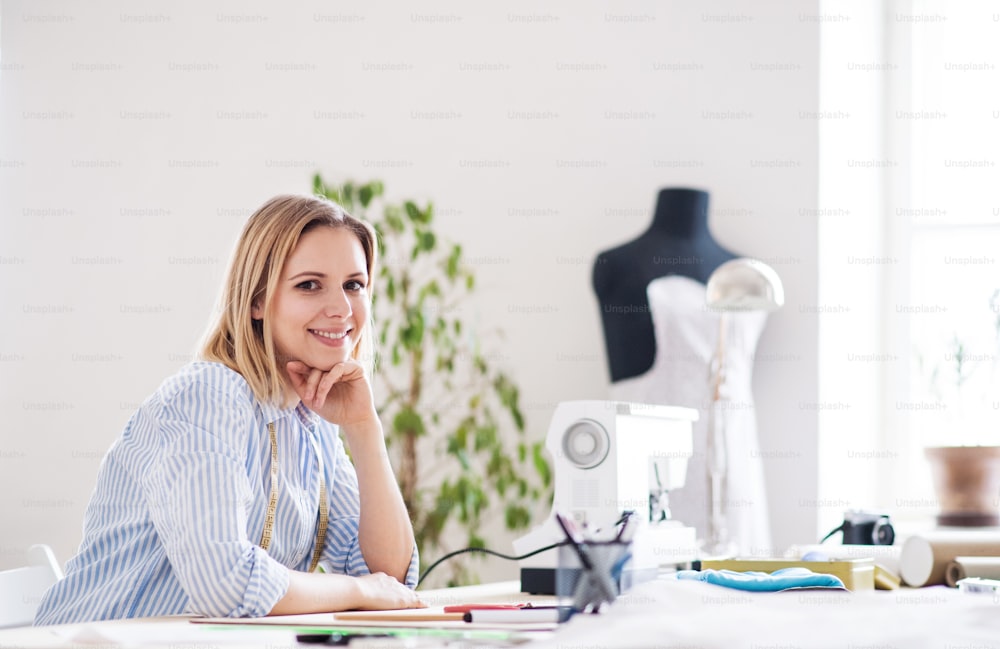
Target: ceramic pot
967,483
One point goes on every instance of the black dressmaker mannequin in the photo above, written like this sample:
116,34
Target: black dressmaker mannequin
677,243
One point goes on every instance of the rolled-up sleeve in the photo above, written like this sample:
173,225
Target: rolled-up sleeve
342,553
199,496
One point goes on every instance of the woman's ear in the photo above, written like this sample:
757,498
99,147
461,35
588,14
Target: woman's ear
256,312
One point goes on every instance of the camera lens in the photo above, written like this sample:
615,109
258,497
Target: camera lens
882,532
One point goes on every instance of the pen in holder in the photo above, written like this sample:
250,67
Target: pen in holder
590,573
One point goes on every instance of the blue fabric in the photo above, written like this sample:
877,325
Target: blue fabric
782,579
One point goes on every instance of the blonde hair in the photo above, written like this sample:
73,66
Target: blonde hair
268,238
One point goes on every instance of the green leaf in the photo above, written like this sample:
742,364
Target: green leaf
462,434
516,517
541,464
518,417
451,265
501,485
394,219
366,194
408,422
430,289
417,215
413,212
411,334
476,501
427,240
486,437
495,465
509,395
380,240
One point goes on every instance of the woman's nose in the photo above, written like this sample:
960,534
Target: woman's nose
339,306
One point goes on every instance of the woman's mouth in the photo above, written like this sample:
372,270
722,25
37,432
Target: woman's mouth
331,338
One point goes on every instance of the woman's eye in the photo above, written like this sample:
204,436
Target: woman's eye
354,285
308,285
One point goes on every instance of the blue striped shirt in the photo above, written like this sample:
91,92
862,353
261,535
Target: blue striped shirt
174,522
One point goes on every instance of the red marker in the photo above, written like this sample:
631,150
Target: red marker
465,608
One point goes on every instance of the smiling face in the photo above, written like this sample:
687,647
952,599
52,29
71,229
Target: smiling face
321,303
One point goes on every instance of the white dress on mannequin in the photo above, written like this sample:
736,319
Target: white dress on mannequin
682,375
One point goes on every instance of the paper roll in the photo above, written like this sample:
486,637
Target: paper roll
962,567
924,558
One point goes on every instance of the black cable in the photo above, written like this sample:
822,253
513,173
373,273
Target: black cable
486,551
833,531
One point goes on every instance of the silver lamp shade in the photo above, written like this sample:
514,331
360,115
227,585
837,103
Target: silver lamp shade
744,285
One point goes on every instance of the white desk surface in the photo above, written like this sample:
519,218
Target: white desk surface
178,632
661,615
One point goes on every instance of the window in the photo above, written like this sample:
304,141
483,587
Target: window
949,214
910,245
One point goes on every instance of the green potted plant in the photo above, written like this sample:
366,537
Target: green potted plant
452,420
964,455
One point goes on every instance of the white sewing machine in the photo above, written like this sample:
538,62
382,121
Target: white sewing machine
609,457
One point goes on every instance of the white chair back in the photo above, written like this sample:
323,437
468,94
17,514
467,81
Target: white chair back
21,589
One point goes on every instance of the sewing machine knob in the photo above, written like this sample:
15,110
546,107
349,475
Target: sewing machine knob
586,443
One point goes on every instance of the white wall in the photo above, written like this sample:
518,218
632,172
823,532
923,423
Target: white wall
137,138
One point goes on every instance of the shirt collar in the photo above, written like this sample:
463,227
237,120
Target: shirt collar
271,413
308,418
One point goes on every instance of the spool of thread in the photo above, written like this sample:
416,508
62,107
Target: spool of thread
925,558
962,567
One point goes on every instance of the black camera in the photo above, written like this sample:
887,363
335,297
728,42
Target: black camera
862,528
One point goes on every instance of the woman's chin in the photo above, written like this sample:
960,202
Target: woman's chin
325,362
322,359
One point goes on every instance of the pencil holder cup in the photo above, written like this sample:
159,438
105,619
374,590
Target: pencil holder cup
593,573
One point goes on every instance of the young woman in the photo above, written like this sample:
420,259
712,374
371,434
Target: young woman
230,484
